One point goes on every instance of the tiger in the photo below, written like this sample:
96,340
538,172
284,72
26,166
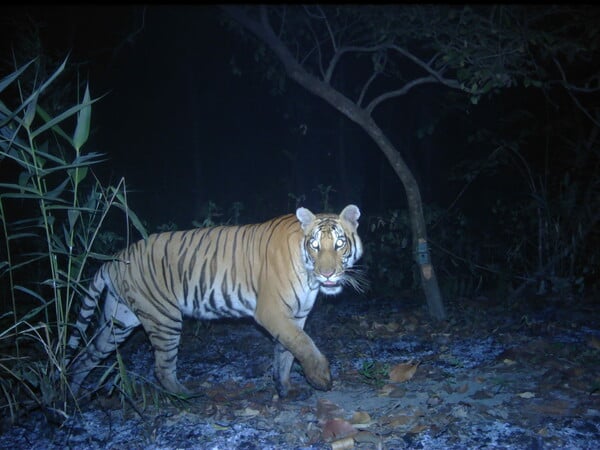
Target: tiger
270,271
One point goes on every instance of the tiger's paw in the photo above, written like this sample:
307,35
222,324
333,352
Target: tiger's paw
318,374
173,386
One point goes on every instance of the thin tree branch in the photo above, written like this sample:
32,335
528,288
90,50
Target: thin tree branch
348,49
263,30
567,85
363,91
399,92
426,67
317,47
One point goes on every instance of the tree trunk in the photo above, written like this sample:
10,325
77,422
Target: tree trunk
343,104
421,252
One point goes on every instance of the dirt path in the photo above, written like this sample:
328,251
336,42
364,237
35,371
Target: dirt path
490,377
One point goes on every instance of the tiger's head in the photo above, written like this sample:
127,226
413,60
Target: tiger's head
330,248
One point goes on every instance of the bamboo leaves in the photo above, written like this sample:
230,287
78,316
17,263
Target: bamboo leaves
82,130
52,220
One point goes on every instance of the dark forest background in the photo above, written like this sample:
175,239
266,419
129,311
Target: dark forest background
205,128
192,120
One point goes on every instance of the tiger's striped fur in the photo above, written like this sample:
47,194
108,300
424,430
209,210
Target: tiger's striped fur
271,271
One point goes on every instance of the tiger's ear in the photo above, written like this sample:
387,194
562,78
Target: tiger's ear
305,217
350,214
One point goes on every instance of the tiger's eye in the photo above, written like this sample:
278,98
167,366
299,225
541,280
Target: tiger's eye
340,243
314,244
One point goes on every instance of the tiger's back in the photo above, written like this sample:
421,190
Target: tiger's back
261,270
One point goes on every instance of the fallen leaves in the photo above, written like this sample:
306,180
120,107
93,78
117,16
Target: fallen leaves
328,410
361,419
391,327
342,429
408,423
398,421
398,374
463,380
553,407
342,444
247,412
526,394
403,372
335,429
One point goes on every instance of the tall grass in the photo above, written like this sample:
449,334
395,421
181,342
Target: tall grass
52,211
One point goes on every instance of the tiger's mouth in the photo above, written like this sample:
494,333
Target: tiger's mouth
329,287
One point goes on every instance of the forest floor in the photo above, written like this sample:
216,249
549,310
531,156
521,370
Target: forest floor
494,375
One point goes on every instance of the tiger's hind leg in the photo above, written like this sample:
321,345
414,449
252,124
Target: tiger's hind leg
115,324
164,332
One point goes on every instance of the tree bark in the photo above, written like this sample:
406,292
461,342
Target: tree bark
360,116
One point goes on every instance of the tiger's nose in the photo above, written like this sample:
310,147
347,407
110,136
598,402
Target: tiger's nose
327,273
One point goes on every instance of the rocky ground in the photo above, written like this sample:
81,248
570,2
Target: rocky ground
494,375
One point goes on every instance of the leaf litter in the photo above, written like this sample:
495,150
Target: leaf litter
490,376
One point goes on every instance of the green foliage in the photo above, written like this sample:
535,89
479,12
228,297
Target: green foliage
542,240
374,373
324,192
476,49
235,212
168,226
389,256
545,236
386,253
51,215
213,215
298,200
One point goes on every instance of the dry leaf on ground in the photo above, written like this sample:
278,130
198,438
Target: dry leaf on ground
247,412
526,395
403,372
342,444
328,410
335,429
360,418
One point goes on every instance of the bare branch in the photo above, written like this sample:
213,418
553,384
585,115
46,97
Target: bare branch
263,30
399,92
569,89
426,67
131,37
342,51
329,31
366,87
316,48
572,87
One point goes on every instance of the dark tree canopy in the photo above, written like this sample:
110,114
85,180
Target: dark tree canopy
359,57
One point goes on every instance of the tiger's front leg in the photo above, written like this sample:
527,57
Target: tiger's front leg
282,366
292,342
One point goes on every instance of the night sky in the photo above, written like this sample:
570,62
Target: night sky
184,130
